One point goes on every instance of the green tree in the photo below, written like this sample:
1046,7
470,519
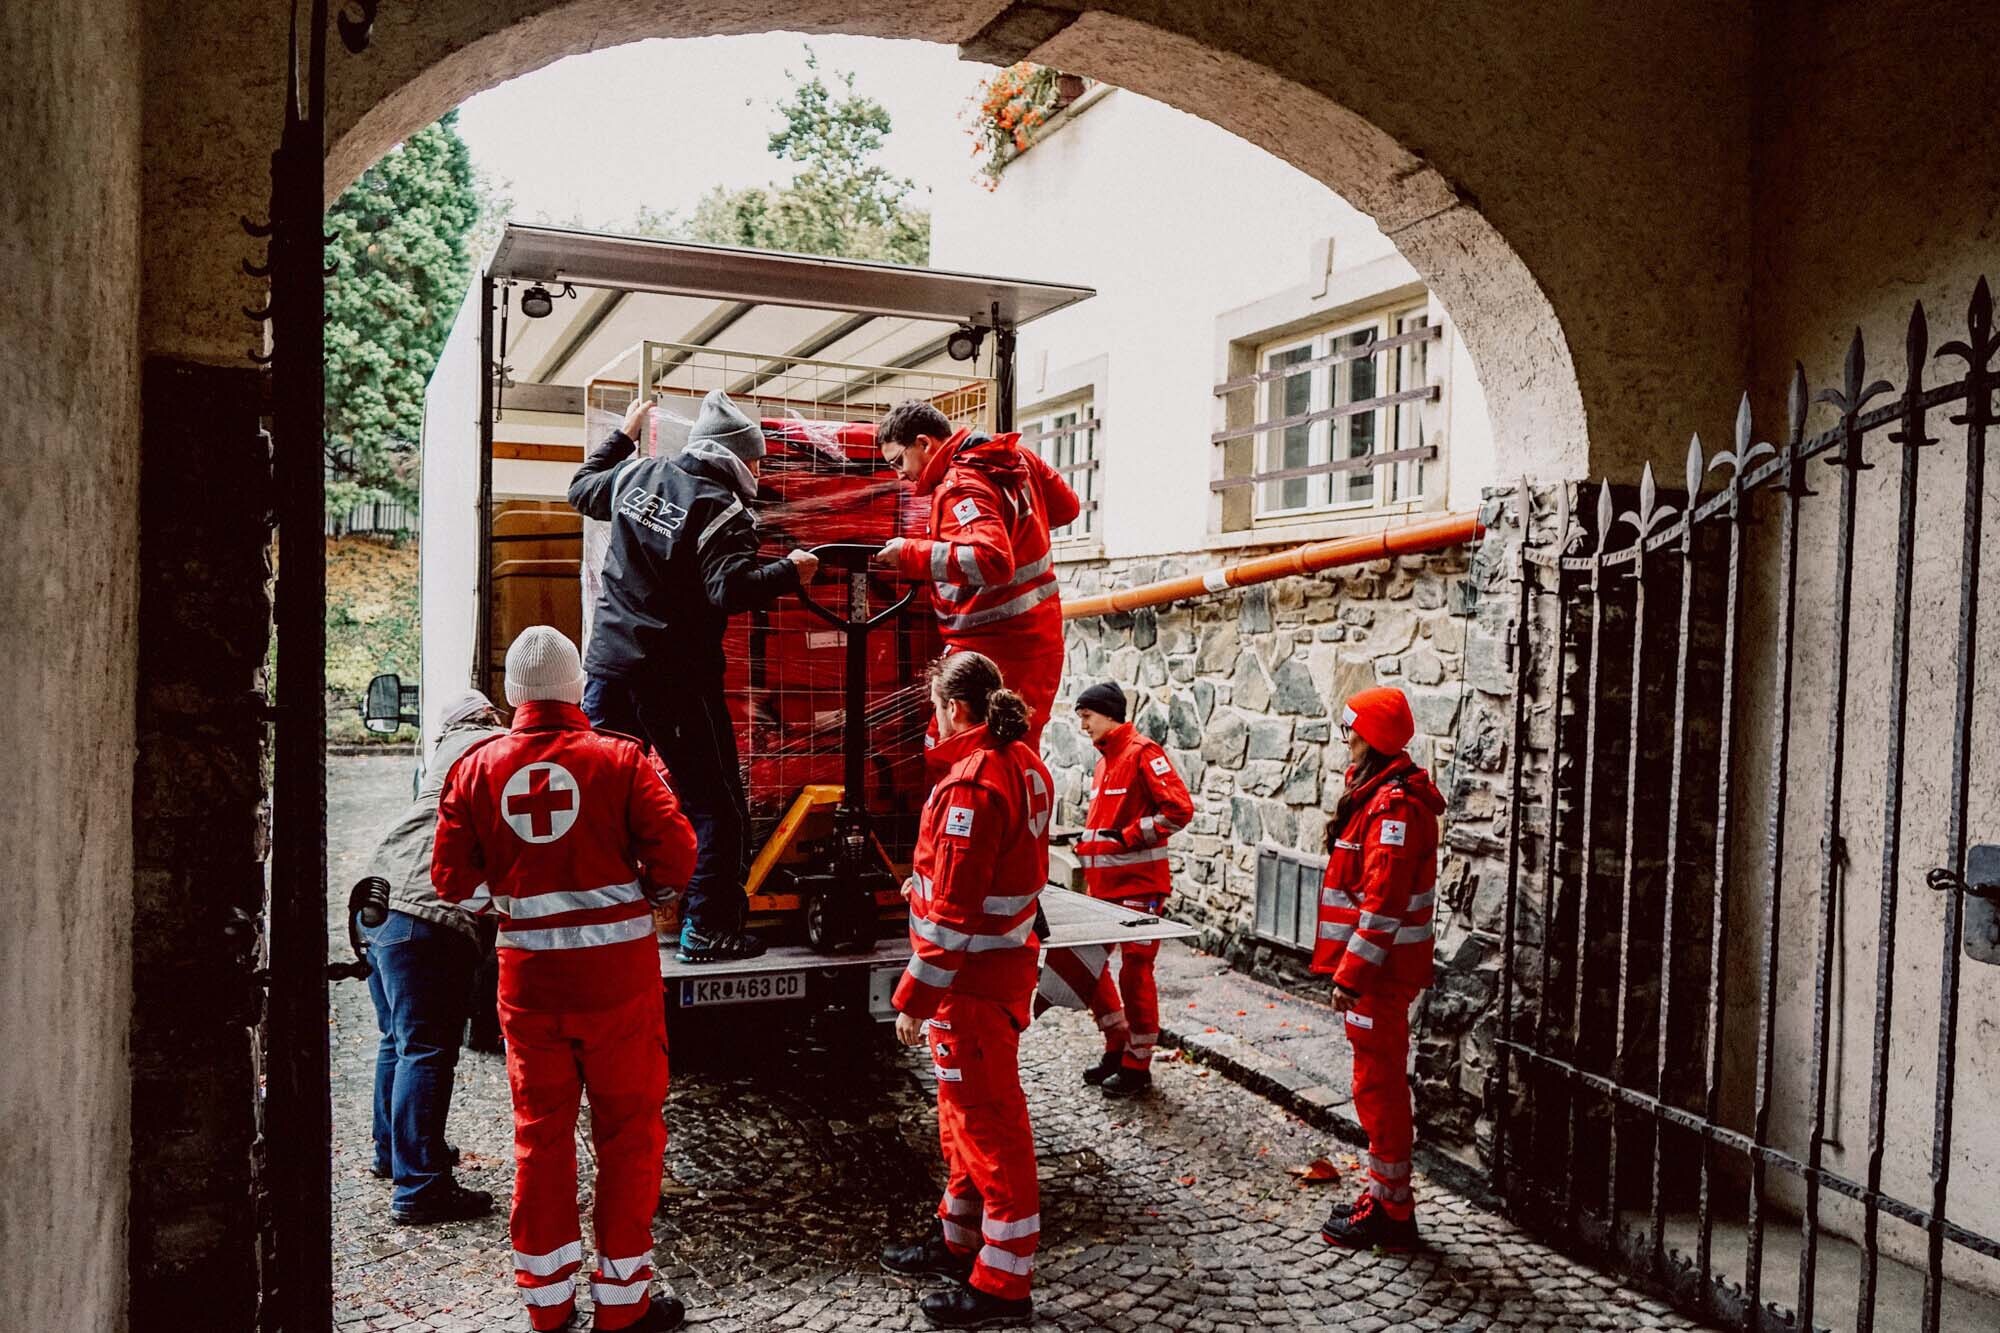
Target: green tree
401,236
840,201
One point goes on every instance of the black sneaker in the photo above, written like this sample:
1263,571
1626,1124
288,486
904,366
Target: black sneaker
383,1171
1111,1063
969,1307
1128,1082
729,947
928,1257
451,1202
1369,1227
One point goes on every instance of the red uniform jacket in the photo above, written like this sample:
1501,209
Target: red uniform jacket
566,833
982,859
1137,801
1381,886
987,558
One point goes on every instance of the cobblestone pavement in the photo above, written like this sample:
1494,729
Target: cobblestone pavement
796,1148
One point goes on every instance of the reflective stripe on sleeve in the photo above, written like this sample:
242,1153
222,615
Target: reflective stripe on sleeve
1377,921
940,561
1414,934
999,906
968,564
1013,607
928,974
1095,860
1335,930
1367,950
1421,901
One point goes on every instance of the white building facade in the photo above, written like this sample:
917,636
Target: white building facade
1250,322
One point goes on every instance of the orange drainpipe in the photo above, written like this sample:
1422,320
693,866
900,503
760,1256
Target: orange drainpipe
1413,539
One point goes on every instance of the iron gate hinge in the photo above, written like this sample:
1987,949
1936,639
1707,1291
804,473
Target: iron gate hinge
1981,887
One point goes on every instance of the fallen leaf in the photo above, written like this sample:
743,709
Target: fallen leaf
1187,1180
1243,1013
1271,1004
1208,1029
1316,1172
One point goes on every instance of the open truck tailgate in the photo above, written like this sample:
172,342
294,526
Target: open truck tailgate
1075,921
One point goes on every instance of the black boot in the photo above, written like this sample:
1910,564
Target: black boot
1110,1063
927,1257
1369,1227
1341,1212
1128,1082
969,1307
452,1202
663,1313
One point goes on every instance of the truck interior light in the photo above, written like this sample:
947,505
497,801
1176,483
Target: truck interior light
962,345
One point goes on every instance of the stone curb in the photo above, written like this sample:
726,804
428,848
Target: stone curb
1318,1105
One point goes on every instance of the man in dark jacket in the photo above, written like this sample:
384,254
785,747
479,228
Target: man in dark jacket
682,559
422,957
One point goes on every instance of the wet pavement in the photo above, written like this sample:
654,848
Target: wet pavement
798,1144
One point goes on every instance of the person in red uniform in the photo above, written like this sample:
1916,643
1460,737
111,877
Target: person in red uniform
987,557
570,835
981,860
1137,802
1375,913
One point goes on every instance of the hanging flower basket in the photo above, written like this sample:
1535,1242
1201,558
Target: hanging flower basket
1012,110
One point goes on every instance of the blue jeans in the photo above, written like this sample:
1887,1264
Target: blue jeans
688,724
421,982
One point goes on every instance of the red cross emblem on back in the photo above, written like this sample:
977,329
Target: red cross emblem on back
540,802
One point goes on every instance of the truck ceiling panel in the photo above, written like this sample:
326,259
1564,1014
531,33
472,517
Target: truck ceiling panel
556,254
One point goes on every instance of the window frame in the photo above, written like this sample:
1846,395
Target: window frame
1079,408
1401,486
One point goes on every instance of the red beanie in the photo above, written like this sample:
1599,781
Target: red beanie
1380,716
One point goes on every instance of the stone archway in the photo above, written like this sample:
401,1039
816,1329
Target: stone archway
1441,136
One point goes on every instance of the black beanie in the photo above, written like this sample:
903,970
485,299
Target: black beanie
1104,698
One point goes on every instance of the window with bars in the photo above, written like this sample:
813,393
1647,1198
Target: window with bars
1066,436
1336,420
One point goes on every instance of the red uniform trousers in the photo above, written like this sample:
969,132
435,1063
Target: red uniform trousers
1378,1030
1128,1010
992,1200
1030,664
618,1057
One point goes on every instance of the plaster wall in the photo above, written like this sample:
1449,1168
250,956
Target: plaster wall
69,412
1194,240
1881,180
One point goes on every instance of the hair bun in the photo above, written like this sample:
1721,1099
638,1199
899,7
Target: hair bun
1006,715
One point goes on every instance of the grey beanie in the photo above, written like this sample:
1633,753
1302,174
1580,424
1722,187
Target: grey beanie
722,423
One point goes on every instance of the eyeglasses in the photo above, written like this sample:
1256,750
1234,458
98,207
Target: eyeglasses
1346,732
895,459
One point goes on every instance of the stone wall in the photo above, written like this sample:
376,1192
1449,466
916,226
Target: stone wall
199,830
1242,689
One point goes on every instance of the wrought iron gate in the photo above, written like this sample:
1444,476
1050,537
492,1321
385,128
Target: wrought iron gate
1698,678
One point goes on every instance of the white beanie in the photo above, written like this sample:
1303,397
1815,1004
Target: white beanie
466,704
543,664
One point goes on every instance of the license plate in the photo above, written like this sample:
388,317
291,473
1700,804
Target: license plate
743,990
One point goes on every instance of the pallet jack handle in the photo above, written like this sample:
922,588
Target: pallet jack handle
853,558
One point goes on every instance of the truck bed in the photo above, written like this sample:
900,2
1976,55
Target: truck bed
1074,920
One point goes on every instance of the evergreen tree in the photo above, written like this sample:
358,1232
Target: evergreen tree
840,202
401,235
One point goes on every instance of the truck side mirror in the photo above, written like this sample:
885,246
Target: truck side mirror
389,704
